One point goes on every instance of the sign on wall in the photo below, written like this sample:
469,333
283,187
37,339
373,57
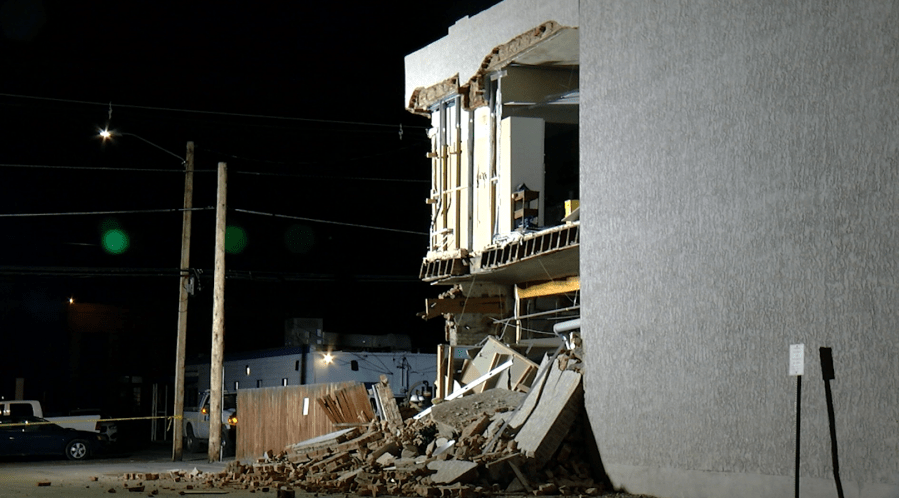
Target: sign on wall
797,359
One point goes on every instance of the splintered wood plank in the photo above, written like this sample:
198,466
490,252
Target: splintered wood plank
494,361
388,405
360,406
451,373
441,371
440,306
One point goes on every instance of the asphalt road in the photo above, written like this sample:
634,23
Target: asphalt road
105,474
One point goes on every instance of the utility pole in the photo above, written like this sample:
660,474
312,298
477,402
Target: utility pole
218,321
177,441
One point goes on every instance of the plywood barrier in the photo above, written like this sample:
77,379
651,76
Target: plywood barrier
274,417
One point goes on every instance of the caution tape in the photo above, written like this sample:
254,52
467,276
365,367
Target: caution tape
170,418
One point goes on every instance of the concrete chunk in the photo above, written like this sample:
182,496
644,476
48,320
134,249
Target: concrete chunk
551,419
453,471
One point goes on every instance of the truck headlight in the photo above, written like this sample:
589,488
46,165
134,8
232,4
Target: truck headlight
232,420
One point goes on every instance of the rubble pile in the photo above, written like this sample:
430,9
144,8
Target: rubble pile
495,442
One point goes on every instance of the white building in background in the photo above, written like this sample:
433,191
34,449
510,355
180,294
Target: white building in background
300,365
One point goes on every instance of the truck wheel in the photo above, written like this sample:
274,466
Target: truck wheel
77,449
190,441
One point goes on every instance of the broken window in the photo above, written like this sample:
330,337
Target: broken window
524,139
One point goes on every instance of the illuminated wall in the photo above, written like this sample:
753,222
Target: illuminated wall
740,193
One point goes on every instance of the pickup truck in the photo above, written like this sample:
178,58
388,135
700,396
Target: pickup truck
82,420
196,423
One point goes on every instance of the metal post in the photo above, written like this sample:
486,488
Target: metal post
177,441
798,413
828,374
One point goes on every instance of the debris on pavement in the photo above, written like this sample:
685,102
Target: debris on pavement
497,441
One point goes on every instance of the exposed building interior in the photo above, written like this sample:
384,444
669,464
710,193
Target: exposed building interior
504,232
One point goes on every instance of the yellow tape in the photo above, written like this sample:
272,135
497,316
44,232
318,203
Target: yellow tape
56,422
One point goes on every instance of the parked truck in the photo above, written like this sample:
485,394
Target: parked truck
82,419
196,423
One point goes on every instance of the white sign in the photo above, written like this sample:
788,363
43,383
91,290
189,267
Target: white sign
797,359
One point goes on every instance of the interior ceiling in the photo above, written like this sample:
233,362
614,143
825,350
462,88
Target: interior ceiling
560,49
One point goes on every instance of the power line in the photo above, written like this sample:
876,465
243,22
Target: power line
398,126
76,271
210,208
323,177
81,213
261,276
100,168
254,173
328,222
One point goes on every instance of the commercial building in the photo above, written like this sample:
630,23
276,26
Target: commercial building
738,188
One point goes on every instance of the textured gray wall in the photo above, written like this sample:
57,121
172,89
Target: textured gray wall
740,193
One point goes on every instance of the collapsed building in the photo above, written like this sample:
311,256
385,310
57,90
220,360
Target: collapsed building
736,178
505,229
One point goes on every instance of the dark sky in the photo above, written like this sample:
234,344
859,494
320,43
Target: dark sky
303,100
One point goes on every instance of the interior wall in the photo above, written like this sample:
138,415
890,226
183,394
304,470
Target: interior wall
483,229
739,194
520,162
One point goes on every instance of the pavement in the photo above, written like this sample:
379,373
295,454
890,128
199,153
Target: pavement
105,475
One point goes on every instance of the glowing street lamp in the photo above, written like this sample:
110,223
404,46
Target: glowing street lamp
107,134
181,345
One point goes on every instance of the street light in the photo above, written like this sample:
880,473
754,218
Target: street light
107,134
181,344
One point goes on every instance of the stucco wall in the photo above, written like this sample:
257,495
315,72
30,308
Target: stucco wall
740,193
471,39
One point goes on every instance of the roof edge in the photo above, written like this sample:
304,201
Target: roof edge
473,91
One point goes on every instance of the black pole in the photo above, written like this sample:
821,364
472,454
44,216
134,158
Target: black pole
798,413
827,372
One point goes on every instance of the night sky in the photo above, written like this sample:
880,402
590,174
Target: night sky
303,101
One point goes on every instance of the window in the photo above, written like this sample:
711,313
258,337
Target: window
20,409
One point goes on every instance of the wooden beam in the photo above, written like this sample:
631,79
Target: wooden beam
441,370
391,412
570,284
494,360
439,306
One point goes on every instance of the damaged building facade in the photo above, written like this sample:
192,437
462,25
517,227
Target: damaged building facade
736,168
505,233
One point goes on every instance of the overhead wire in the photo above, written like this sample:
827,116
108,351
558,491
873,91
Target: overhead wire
209,208
69,271
324,177
215,113
83,213
101,168
252,173
302,218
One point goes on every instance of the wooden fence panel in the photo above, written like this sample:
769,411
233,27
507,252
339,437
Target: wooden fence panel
272,418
